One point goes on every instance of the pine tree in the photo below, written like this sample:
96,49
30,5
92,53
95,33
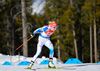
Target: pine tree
90,13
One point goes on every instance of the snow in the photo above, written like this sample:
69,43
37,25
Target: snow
15,60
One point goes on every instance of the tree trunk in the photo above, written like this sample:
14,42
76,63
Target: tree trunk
58,40
25,50
75,44
13,40
91,43
8,35
58,47
95,41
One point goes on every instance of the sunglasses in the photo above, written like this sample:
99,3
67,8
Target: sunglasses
55,27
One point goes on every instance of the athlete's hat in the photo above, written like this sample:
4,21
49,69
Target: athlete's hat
53,24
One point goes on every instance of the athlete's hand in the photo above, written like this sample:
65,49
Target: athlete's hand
32,35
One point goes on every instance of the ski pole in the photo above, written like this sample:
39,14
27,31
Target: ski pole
23,43
55,18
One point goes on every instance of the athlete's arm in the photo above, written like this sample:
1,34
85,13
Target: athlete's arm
39,30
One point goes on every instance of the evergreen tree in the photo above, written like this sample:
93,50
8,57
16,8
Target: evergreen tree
90,12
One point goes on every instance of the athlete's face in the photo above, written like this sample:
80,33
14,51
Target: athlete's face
53,28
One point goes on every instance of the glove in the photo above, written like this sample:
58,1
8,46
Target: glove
32,35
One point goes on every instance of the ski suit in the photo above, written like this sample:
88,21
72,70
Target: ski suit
44,39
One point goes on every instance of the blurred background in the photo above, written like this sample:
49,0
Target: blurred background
77,35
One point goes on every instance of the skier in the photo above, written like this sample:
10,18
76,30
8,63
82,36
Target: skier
44,39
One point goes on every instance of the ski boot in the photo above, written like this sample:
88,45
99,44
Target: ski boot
30,65
50,65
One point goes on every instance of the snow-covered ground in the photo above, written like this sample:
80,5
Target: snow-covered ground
15,60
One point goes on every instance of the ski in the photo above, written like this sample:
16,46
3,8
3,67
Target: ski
53,68
59,68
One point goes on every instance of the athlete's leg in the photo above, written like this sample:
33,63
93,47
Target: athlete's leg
39,47
51,48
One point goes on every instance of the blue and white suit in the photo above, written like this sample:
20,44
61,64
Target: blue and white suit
44,39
